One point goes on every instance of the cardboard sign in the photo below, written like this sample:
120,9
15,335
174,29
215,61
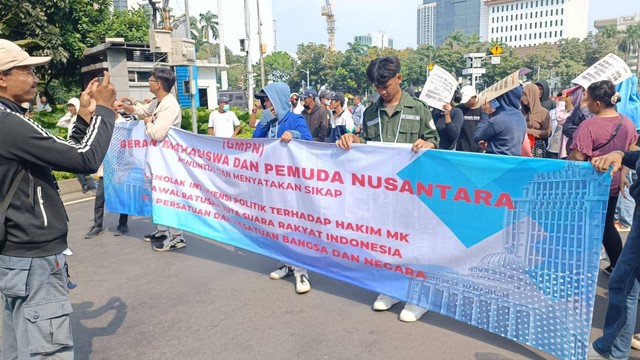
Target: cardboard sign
610,67
439,88
510,82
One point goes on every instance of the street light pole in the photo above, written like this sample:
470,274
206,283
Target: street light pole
307,71
260,41
192,81
247,25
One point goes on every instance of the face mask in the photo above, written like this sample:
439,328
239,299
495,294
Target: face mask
225,108
326,101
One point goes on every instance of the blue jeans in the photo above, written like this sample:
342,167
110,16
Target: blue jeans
620,321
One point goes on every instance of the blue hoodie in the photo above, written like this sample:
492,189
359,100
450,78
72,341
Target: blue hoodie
629,104
285,120
504,132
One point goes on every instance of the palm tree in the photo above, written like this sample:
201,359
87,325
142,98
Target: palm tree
609,32
455,39
631,43
209,23
358,47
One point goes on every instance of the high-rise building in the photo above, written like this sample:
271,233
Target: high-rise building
378,39
621,24
531,22
128,4
427,24
439,18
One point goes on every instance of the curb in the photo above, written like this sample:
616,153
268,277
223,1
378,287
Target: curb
69,186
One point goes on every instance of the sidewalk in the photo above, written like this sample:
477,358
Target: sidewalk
71,192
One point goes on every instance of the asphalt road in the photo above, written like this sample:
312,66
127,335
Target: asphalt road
212,301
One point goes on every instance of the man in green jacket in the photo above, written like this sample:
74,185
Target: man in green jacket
396,117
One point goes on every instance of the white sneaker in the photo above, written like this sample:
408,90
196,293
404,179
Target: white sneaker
302,284
412,313
593,354
281,272
384,302
176,242
635,341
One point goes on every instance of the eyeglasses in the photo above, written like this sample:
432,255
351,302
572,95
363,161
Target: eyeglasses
28,72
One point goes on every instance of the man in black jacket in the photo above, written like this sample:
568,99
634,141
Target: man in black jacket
33,280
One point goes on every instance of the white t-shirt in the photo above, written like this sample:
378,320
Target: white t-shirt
223,124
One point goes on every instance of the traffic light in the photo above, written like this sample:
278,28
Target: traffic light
243,45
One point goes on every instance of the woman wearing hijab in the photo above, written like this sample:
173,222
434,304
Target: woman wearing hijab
69,119
538,120
601,134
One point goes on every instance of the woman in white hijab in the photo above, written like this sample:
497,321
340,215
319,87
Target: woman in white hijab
69,119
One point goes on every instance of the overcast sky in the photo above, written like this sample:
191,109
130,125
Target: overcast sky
300,21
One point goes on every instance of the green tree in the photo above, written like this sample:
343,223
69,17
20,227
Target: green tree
632,43
209,26
278,66
510,61
311,57
542,61
132,25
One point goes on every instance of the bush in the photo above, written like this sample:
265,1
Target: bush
62,175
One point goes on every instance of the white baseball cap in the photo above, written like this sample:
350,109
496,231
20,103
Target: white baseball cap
12,55
467,93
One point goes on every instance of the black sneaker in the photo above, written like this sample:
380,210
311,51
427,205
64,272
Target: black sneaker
95,231
156,236
122,229
608,270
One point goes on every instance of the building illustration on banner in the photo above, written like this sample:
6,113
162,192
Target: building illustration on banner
130,192
518,293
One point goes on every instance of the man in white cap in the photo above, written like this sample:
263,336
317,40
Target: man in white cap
33,237
223,122
472,115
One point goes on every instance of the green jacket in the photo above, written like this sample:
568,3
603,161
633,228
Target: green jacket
411,120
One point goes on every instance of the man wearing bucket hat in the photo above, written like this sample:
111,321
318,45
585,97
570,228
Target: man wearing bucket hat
33,279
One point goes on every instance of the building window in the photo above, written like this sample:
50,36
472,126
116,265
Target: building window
560,33
556,22
561,22
535,36
562,11
556,12
556,33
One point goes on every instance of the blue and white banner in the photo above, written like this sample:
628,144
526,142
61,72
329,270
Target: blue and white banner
507,244
126,189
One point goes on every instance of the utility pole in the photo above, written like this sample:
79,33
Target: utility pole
247,25
224,81
192,81
260,47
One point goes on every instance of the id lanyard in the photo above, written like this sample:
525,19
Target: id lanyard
380,126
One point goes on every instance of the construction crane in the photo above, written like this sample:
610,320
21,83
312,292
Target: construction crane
327,11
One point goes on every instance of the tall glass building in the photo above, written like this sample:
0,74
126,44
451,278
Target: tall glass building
439,18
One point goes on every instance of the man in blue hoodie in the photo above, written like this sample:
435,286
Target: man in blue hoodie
504,131
279,122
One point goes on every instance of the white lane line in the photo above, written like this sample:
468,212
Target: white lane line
78,201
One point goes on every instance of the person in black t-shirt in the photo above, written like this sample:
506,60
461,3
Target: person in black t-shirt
472,114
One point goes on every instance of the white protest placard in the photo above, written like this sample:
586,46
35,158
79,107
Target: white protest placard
439,88
610,67
508,83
